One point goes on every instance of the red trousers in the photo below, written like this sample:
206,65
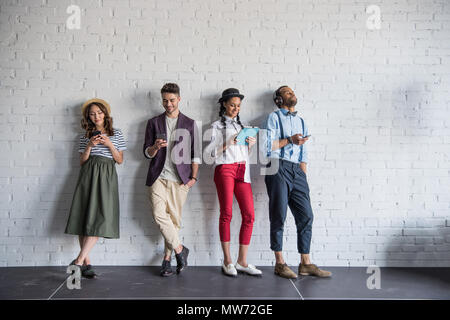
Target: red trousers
229,180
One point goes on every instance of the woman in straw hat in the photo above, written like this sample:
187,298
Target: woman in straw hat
94,211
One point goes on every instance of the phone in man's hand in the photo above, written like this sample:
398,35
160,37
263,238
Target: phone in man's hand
161,136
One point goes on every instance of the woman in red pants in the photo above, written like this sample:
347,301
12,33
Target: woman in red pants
232,176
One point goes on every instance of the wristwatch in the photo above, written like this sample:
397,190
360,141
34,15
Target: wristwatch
289,139
194,178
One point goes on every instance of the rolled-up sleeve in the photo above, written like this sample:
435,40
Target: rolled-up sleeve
272,132
121,143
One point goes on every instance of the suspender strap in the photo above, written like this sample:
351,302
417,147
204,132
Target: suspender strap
303,134
282,133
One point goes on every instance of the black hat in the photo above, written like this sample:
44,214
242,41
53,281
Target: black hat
230,93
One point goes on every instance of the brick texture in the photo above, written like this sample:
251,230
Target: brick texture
376,103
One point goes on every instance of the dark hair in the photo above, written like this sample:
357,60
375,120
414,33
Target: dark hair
170,88
89,126
222,111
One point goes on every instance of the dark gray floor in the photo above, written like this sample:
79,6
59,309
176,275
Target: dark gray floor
119,282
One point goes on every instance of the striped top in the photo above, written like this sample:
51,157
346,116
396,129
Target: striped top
100,150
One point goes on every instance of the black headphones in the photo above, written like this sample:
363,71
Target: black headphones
277,98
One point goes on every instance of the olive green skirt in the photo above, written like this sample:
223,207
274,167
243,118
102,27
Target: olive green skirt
95,205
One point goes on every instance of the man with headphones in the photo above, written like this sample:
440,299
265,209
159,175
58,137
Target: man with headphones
286,138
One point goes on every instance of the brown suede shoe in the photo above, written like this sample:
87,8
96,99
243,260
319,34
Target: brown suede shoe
284,271
312,270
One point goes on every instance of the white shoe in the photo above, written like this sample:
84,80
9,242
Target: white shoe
250,269
229,270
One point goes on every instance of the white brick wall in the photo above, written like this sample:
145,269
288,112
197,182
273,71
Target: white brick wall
376,102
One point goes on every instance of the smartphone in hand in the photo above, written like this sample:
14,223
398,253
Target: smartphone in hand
161,136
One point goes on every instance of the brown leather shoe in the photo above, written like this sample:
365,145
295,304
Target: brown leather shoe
284,271
312,270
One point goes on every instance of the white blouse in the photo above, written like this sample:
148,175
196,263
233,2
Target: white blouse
233,153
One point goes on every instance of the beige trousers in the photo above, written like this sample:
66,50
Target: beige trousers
166,200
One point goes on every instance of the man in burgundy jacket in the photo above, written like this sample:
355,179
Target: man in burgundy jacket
171,145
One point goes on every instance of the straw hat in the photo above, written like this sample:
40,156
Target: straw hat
96,100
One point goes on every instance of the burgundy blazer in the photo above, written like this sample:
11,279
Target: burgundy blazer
158,125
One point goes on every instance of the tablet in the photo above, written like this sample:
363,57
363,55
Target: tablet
244,133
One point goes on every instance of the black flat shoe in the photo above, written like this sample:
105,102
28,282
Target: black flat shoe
166,269
88,272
